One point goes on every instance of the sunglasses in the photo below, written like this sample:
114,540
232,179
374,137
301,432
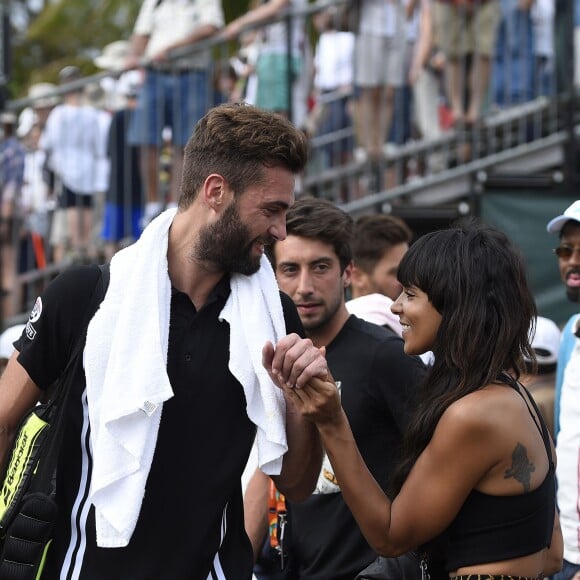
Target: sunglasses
565,252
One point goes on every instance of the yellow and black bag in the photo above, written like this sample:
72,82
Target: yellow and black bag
28,443
28,511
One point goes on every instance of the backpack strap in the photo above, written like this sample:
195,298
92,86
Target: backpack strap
47,463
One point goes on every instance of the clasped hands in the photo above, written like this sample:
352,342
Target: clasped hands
300,369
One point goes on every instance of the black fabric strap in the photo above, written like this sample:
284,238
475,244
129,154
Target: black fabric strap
539,422
542,426
47,463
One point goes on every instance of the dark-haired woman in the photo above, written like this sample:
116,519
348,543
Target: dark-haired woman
476,483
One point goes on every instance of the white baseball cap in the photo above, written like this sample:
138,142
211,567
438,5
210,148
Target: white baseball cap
546,341
43,95
114,55
571,213
8,337
26,121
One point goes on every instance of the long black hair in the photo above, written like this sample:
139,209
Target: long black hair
475,278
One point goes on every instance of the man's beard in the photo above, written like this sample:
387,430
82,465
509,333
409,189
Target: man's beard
331,307
227,243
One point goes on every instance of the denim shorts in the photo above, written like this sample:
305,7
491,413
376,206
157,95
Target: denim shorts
567,572
169,99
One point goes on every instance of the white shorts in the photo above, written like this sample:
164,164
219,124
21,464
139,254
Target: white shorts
380,61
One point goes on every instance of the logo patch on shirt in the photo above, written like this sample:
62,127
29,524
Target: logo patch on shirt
30,331
36,310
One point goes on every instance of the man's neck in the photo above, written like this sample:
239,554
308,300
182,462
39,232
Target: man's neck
193,278
354,293
324,335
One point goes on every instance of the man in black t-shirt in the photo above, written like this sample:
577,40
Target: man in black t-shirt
240,165
376,379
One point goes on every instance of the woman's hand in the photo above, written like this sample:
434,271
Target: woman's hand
318,401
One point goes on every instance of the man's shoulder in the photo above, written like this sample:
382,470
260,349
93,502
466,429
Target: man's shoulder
378,352
288,307
371,332
569,335
367,343
572,324
73,286
83,275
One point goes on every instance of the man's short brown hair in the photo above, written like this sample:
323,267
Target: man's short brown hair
376,234
238,141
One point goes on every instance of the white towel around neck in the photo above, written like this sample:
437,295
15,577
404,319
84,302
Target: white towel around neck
125,362
254,312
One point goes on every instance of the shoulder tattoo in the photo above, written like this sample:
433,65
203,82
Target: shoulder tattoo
521,468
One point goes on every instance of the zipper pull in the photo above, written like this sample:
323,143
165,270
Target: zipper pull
281,538
424,569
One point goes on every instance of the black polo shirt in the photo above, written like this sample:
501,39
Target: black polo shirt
191,520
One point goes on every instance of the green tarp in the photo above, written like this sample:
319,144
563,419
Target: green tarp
523,216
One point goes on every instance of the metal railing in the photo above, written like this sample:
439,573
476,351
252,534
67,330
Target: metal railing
526,134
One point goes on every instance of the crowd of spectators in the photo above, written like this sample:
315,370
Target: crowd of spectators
360,78
89,164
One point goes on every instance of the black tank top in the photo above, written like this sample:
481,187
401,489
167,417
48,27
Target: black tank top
491,528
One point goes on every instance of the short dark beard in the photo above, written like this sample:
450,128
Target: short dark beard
227,244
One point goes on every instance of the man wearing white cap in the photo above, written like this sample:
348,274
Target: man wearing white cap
541,380
117,86
43,99
567,404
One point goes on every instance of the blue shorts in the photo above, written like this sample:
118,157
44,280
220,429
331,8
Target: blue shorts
120,223
169,99
567,572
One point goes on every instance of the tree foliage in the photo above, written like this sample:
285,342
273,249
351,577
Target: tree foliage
50,34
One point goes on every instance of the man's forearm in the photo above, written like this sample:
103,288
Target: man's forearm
17,395
201,33
138,44
303,460
256,510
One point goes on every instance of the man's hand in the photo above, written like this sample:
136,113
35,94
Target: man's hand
231,31
294,361
162,56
